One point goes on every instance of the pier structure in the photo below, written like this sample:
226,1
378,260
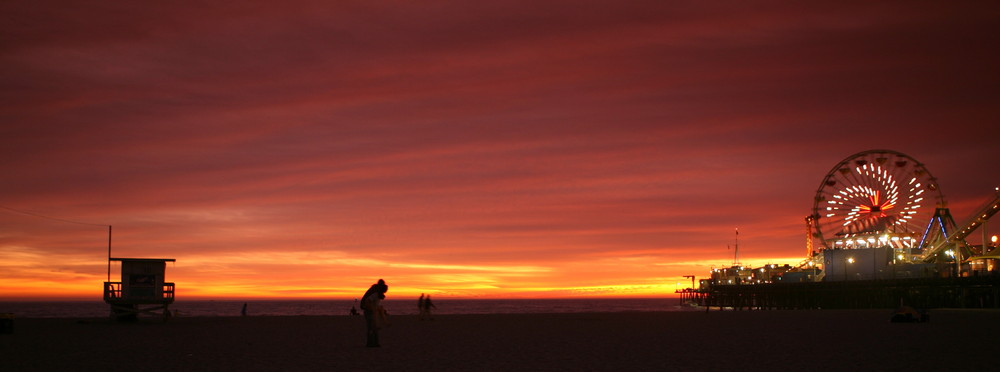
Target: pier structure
979,292
880,235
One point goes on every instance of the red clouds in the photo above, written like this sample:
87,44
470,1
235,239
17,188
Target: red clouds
472,149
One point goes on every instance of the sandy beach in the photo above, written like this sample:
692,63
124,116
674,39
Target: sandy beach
706,341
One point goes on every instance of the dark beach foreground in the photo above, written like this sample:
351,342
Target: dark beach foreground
705,341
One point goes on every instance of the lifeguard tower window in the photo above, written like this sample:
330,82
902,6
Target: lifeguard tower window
142,286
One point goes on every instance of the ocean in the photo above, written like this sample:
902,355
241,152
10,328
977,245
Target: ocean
98,309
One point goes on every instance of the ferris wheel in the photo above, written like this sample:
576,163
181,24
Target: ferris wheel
875,198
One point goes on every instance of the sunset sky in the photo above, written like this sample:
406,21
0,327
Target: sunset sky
462,148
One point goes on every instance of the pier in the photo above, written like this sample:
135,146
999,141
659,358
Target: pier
928,293
880,236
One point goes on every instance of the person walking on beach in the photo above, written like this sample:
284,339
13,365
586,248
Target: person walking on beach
371,303
427,308
420,306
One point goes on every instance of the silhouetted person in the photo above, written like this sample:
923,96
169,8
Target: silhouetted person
427,307
420,306
354,308
371,303
244,311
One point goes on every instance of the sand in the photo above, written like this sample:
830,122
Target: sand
706,341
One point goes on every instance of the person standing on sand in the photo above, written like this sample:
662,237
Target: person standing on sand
371,303
427,307
420,306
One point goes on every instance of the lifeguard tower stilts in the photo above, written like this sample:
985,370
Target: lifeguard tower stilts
142,289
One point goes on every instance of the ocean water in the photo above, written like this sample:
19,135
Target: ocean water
97,309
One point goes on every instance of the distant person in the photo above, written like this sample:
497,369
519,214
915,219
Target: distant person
354,308
427,307
375,314
244,311
420,306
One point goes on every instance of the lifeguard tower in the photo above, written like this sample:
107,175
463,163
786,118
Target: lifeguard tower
142,289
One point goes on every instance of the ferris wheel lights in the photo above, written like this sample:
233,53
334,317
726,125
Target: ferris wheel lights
868,200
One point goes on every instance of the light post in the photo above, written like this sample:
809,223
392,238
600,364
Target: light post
992,247
958,265
850,260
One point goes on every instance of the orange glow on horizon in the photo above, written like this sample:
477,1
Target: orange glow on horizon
409,281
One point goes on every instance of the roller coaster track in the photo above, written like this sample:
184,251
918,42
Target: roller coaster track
977,219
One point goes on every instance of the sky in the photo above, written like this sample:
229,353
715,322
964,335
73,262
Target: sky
305,149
